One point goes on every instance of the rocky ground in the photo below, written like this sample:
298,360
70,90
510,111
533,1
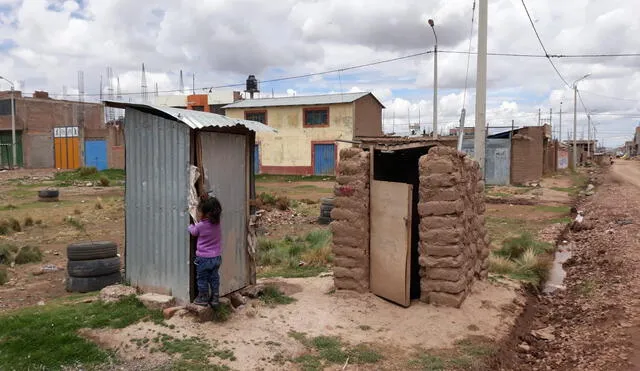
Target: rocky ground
594,323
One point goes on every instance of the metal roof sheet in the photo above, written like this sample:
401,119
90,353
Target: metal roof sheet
194,119
302,100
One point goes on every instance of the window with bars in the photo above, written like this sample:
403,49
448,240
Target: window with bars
259,116
316,117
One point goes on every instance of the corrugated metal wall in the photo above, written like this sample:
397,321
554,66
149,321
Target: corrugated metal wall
157,241
225,158
497,159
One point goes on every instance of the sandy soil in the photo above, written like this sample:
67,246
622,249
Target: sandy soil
595,323
257,333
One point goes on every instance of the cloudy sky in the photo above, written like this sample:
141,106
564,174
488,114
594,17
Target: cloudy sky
44,43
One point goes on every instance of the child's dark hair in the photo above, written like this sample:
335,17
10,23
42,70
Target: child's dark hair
211,209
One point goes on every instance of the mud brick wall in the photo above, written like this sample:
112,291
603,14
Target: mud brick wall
527,155
453,247
350,224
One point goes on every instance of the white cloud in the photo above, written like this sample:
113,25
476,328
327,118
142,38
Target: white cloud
45,43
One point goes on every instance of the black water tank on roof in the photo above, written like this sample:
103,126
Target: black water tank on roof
252,84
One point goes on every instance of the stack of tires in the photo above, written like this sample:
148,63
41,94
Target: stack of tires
326,205
92,266
48,195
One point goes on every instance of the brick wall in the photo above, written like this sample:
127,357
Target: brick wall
351,221
453,241
527,152
115,147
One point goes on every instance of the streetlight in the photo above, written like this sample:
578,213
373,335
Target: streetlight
575,120
13,125
435,81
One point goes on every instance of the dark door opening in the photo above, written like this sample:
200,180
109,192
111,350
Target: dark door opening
402,166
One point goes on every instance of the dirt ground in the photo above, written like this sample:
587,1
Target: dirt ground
594,324
18,199
258,335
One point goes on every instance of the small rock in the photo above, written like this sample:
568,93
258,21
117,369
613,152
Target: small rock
589,193
544,333
156,301
167,313
203,314
253,291
237,300
590,187
524,346
325,274
624,221
114,293
89,184
41,303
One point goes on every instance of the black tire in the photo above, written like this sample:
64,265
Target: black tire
88,284
93,268
92,250
49,193
324,220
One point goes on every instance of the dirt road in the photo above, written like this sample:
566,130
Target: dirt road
595,323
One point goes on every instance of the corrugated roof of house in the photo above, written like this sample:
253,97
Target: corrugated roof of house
194,119
301,100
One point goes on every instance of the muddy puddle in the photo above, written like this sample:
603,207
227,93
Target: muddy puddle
557,273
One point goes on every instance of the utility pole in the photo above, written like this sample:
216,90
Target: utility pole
560,125
551,117
435,81
575,119
588,135
481,85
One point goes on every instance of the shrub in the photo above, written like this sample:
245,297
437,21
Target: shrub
28,221
8,253
28,254
74,223
87,171
501,265
515,247
104,181
5,229
4,276
282,203
15,225
267,199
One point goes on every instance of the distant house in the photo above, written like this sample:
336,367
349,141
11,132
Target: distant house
309,129
52,133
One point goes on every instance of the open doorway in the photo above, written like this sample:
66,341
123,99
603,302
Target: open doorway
401,166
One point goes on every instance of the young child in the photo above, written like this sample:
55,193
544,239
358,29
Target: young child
208,251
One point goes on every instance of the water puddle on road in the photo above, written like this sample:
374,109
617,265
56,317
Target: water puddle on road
557,274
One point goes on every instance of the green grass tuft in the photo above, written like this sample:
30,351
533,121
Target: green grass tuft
28,221
326,350
46,337
8,207
523,258
553,209
281,258
14,224
8,254
76,223
29,254
271,295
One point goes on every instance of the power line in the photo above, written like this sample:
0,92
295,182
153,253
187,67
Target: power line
610,97
542,45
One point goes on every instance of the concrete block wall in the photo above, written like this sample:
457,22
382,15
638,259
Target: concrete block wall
351,221
453,247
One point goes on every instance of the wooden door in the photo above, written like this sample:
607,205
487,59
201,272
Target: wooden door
390,255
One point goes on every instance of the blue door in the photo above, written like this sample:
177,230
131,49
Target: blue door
95,154
324,159
256,159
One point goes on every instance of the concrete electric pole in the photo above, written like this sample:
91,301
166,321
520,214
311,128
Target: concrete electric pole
481,85
575,120
435,80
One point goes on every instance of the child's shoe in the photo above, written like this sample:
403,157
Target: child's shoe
201,300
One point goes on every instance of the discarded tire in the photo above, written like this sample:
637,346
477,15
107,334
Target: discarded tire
88,284
326,205
92,250
93,268
48,195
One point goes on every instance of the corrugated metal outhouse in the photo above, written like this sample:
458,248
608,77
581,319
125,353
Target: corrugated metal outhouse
163,146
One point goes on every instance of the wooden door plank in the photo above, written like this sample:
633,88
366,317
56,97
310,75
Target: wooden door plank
390,255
